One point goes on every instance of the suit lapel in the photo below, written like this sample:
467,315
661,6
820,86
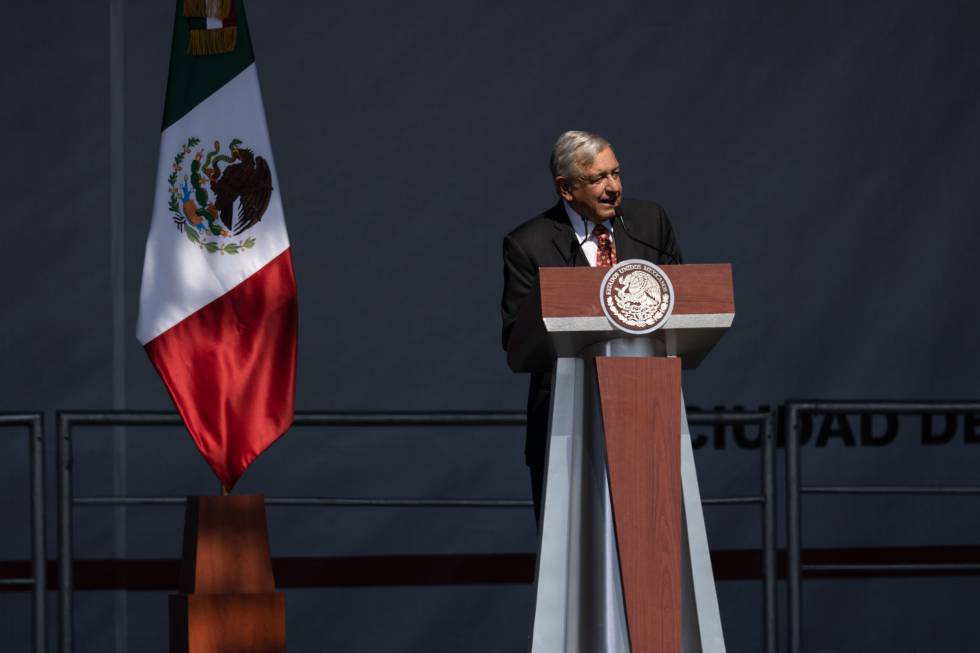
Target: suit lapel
565,239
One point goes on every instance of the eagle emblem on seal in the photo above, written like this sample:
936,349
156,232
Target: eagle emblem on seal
636,296
220,196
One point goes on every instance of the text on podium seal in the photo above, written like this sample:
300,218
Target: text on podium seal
636,296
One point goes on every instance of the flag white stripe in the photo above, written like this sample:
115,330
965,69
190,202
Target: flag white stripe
180,278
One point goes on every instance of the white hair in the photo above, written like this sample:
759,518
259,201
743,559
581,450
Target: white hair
575,150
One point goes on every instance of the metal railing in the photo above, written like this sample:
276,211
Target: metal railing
38,579
67,421
766,499
796,489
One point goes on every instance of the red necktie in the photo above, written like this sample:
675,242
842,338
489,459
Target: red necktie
605,256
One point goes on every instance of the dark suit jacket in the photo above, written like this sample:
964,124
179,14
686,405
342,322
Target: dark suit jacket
547,240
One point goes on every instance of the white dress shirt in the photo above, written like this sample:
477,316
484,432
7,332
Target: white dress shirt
584,232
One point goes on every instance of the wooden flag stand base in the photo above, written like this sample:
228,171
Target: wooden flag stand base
228,600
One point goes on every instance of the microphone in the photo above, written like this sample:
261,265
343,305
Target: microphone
629,233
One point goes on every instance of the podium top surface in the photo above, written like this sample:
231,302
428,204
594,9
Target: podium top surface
563,315
703,297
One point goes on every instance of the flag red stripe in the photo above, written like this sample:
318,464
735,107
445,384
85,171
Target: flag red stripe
230,368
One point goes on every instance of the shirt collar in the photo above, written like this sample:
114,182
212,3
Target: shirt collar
580,226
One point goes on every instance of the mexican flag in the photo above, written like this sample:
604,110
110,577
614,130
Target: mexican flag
218,300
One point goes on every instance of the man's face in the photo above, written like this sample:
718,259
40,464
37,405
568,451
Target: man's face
597,191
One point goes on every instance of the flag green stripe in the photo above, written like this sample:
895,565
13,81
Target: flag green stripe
194,78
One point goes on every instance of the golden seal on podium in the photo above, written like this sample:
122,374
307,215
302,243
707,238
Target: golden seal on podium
636,296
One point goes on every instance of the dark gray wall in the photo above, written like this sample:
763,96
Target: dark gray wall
829,153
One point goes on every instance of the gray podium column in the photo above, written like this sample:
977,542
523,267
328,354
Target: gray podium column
579,606
700,618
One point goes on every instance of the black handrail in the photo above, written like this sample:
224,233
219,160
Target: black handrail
66,499
38,578
796,490
767,500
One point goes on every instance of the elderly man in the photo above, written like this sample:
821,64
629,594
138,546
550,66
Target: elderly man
590,225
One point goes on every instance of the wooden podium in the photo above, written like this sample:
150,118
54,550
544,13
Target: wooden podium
623,563
227,601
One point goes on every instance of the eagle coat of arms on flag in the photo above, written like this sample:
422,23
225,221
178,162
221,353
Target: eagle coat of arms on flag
213,207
